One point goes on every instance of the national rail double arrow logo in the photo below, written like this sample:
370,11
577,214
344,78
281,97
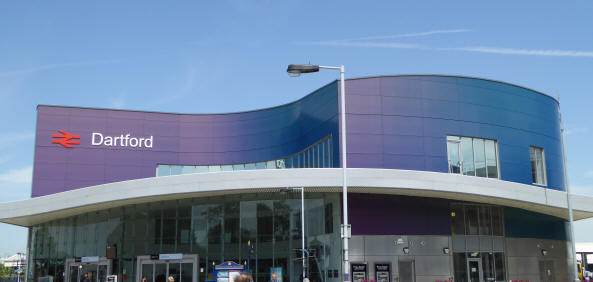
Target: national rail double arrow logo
66,140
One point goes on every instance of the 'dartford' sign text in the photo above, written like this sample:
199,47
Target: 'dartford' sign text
98,139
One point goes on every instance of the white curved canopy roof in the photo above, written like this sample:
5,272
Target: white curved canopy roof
360,180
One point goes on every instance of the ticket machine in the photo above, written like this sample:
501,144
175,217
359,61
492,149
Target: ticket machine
383,272
359,272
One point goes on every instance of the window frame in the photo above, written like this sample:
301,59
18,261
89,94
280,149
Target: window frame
460,152
543,156
458,144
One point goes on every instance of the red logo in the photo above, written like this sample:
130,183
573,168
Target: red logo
65,141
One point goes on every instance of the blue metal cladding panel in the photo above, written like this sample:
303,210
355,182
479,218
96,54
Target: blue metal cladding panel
401,122
525,224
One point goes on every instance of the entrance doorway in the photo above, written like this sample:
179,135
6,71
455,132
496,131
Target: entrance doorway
407,271
474,270
184,269
92,269
546,270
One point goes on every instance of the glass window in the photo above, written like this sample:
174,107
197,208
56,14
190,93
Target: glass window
472,156
452,138
467,155
213,168
175,169
538,165
250,166
163,170
287,163
488,266
310,157
329,152
316,155
499,266
305,159
238,167
322,158
471,217
479,157
298,159
329,218
485,220
497,229
454,160
186,169
491,166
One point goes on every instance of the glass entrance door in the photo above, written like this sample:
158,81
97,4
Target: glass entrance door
406,271
154,270
546,269
87,271
474,270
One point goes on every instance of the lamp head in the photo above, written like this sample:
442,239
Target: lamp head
295,70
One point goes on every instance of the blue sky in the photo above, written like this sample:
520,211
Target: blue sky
231,55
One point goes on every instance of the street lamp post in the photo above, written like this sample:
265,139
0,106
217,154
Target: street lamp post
302,224
18,267
575,267
296,70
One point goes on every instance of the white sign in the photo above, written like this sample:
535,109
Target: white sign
89,259
170,256
111,278
123,140
233,275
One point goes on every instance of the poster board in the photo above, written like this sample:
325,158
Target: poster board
277,271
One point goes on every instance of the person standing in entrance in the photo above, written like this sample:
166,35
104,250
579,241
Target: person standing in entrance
274,278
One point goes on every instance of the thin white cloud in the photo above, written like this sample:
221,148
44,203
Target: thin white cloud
54,66
589,173
528,52
394,45
376,42
405,35
20,175
360,41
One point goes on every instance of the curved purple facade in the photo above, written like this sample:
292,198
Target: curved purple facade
401,122
183,139
397,122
